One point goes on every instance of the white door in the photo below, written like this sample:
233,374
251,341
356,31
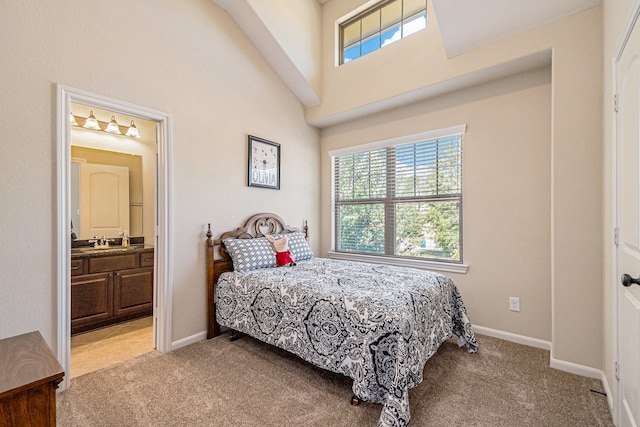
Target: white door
104,200
628,220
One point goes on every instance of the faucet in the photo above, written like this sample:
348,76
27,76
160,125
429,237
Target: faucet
101,242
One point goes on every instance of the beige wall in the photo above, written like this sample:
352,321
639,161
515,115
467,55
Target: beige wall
574,252
506,191
185,58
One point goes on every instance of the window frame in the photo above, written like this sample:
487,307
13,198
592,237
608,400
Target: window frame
390,202
360,15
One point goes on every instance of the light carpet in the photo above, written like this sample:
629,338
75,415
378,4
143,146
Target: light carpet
248,383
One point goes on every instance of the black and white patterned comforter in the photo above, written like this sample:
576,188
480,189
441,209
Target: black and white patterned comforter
376,324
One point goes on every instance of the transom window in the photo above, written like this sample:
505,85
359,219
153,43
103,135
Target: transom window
401,200
381,25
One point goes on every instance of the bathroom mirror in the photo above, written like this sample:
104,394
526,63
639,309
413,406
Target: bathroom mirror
90,146
106,193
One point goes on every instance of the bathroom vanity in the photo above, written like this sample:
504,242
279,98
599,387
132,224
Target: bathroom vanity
110,286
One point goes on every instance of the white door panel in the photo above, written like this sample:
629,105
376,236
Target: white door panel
104,200
630,346
628,222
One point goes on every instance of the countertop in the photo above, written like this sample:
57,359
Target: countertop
88,252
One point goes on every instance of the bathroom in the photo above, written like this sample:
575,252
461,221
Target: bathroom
112,211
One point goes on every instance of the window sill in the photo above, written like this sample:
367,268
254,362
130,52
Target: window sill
401,262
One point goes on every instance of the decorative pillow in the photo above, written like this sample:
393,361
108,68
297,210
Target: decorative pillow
250,254
297,245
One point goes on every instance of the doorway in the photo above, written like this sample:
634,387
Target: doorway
112,196
156,235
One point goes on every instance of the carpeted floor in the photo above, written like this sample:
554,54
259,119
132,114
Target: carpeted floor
248,383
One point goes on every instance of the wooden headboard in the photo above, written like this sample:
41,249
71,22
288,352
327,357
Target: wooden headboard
258,225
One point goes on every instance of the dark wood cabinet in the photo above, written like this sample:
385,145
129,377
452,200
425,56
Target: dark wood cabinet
91,299
114,288
78,267
133,291
29,377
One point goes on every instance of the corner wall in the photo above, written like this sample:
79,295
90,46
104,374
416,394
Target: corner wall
574,252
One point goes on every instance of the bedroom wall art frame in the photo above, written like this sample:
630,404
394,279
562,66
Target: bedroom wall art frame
264,163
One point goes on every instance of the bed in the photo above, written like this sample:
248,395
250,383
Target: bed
376,324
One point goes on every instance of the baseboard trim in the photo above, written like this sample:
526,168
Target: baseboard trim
574,368
508,336
607,389
188,340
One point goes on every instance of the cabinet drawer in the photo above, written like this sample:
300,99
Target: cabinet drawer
146,259
112,263
78,266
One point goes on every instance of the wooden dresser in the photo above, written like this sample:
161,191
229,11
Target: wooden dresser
29,377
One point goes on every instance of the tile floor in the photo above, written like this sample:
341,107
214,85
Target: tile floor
101,348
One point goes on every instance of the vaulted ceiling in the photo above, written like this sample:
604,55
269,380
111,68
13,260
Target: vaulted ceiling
464,25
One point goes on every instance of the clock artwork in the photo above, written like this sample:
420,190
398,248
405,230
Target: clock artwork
264,163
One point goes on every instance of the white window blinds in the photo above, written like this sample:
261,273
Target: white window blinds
401,200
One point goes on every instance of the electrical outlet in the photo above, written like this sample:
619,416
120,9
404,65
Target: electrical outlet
514,303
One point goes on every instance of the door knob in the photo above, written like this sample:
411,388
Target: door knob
628,280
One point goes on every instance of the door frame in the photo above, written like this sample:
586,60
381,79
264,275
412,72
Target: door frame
163,214
615,402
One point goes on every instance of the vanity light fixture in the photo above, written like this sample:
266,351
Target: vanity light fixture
133,131
91,122
113,127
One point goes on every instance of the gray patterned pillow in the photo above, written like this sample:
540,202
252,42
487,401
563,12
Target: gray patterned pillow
250,254
297,245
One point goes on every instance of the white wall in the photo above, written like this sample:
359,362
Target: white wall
185,58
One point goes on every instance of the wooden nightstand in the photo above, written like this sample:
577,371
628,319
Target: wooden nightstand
29,377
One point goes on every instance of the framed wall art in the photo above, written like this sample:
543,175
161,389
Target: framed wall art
264,163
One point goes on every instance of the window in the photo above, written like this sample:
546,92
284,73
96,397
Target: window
381,25
401,198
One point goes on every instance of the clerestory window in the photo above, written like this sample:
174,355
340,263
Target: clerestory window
401,198
379,26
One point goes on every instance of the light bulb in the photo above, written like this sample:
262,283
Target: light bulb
92,122
113,127
133,131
